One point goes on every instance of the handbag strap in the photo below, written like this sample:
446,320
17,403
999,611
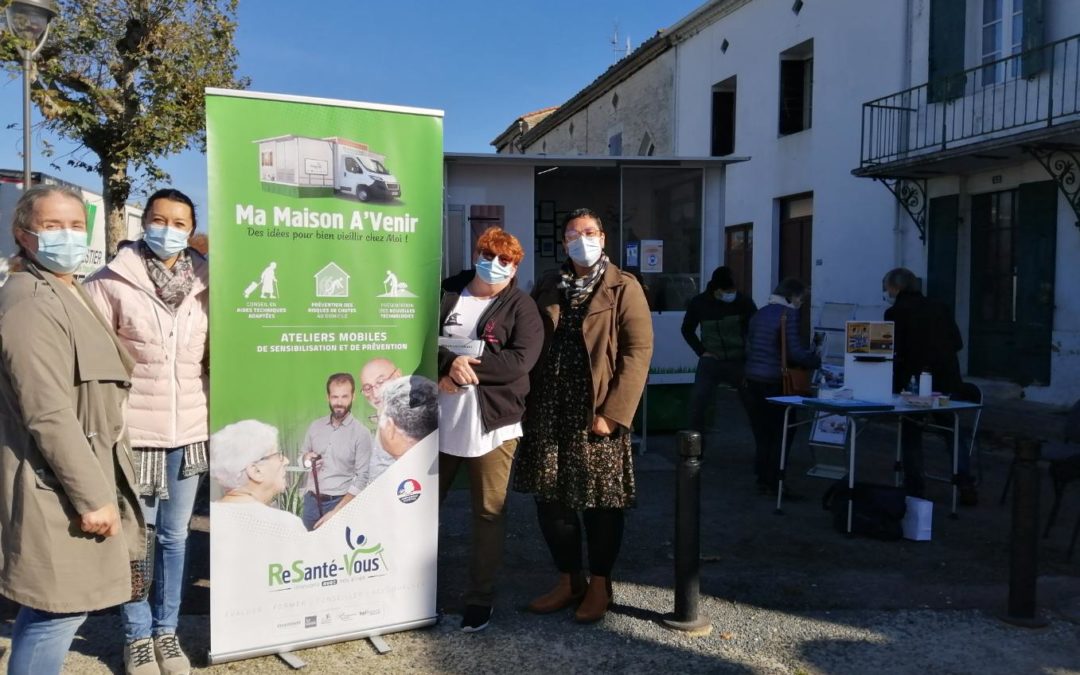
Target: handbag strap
783,341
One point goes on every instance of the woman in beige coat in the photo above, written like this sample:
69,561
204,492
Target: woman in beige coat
69,524
575,455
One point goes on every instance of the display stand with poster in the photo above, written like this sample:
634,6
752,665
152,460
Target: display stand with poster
868,359
828,433
326,223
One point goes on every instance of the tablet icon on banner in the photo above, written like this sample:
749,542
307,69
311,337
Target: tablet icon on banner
409,491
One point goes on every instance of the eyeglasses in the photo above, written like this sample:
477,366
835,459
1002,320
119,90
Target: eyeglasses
374,419
369,389
276,455
488,254
572,235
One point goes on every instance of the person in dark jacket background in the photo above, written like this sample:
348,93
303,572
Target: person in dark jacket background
926,334
763,381
482,400
723,314
927,339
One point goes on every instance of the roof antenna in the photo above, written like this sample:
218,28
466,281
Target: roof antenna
616,47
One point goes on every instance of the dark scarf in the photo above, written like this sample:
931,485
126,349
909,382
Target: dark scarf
577,289
171,285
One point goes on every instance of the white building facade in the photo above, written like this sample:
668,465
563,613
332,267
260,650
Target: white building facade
942,170
982,140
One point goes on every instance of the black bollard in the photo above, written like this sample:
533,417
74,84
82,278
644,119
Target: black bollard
1024,538
688,539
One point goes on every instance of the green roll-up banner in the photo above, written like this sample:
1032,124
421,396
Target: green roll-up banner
325,230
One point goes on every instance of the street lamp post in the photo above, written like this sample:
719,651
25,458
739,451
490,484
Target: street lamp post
29,20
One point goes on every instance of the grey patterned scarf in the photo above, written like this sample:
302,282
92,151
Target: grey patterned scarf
577,289
171,285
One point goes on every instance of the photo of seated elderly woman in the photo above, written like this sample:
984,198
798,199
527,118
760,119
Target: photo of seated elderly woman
250,467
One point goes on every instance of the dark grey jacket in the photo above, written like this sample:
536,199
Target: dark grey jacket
513,335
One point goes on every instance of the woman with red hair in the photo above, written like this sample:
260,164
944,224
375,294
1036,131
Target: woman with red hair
482,398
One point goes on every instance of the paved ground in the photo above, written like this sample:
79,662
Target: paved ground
786,594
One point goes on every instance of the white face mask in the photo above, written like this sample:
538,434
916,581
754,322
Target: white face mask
585,251
165,241
726,297
493,271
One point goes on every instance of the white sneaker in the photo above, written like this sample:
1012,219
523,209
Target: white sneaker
169,655
139,658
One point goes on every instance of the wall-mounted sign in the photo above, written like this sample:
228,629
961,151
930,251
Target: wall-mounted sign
652,255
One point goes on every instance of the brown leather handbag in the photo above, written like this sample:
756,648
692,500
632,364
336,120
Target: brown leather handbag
794,381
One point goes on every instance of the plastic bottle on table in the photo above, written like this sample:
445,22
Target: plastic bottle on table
926,386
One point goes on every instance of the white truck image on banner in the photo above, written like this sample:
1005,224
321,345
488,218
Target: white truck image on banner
318,167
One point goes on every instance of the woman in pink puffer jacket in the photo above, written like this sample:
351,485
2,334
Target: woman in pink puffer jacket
154,293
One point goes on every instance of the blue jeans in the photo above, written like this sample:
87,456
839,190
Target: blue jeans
160,612
311,508
41,640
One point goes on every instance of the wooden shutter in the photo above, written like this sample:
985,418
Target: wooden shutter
1034,37
942,243
1034,257
946,50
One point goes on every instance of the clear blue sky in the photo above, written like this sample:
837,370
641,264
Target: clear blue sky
485,62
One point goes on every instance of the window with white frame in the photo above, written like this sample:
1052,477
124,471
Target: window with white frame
1002,36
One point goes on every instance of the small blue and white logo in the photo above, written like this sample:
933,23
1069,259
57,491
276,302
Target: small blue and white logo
409,491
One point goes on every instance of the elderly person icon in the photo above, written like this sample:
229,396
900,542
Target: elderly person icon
249,465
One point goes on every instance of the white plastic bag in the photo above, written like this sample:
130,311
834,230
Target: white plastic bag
918,519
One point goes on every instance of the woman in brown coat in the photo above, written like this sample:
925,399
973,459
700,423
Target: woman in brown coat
69,526
575,455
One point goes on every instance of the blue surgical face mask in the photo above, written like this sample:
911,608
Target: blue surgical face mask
61,251
493,271
585,251
165,241
726,297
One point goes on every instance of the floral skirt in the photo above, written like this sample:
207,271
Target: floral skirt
559,459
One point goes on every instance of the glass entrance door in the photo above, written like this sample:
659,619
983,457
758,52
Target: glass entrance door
660,233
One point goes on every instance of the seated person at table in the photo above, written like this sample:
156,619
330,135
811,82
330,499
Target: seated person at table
927,339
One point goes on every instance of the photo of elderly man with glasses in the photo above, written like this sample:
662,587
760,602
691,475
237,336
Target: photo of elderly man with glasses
376,373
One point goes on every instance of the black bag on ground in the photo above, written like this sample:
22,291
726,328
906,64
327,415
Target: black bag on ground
877,513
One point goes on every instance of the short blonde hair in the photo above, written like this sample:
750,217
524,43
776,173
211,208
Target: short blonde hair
23,216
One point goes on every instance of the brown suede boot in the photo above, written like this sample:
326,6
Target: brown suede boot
567,591
598,598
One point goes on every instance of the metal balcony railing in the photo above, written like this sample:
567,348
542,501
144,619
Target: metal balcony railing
1023,92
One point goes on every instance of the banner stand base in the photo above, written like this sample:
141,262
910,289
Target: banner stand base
292,660
380,644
